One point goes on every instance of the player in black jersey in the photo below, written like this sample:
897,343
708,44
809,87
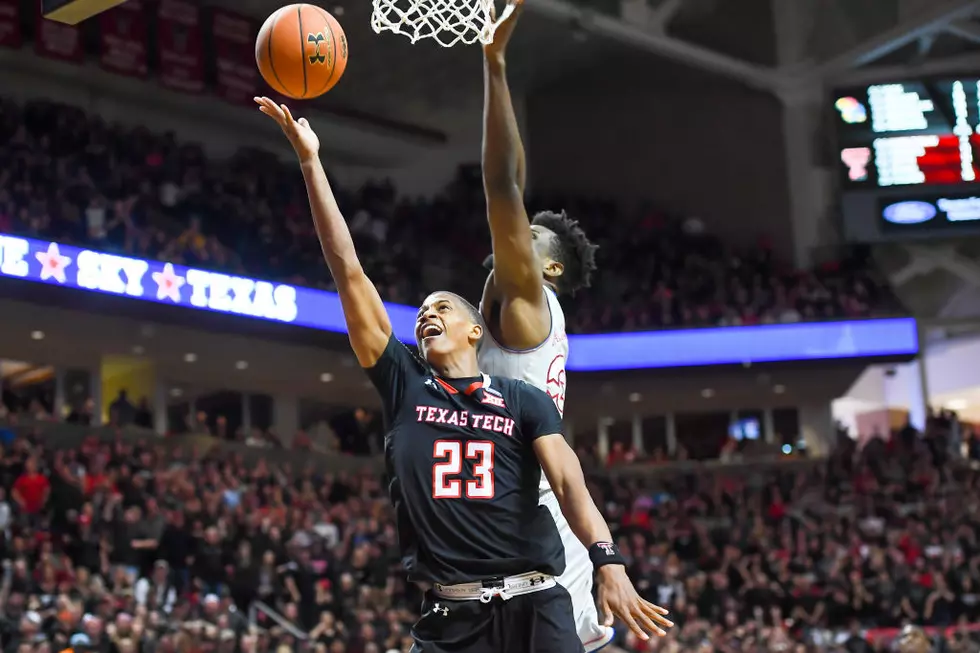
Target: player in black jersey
464,452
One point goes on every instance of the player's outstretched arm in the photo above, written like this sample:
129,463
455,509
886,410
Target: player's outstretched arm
617,596
517,272
368,324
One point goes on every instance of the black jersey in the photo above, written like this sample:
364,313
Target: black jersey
463,475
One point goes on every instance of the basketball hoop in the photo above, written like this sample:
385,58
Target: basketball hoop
447,22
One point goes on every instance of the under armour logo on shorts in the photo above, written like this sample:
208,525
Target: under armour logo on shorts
441,610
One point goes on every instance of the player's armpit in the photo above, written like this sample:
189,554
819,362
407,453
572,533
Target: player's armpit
391,372
564,472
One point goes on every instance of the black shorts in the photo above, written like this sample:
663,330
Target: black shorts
539,622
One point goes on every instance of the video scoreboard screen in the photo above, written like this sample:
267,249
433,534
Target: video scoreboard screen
909,158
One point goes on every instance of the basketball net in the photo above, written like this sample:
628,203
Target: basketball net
447,22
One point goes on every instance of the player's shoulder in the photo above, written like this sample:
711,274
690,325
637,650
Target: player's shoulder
399,350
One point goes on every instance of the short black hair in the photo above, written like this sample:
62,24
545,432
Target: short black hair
572,249
475,315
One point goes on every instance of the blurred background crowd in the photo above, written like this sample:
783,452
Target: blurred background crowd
73,178
130,544
123,533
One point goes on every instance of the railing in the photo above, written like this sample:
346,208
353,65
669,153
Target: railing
57,435
285,624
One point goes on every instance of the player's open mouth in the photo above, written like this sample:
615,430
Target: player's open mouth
431,331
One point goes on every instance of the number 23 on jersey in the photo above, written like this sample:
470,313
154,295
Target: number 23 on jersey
446,472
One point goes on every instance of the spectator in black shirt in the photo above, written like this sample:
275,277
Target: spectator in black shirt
209,562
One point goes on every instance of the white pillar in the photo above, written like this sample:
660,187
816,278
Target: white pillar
60,381
768,427
921,398
810,186
817,428
95,390
285,417
638,435
917,394
603,438
671,429
159,406
246,414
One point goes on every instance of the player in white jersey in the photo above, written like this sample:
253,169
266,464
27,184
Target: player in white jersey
533,261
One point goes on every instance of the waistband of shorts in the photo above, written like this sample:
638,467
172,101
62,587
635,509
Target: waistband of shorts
505,587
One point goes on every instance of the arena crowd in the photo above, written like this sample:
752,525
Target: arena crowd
71,177
135,546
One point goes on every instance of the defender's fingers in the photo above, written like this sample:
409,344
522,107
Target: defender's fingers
630,622
285,110
656,613
646,623
607,615
304,122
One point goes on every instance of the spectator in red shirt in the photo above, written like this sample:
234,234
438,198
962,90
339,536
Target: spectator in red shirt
31,489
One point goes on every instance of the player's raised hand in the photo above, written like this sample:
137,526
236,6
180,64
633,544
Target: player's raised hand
301,136
618,598
504,28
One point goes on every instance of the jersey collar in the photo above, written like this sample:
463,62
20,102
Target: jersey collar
482,382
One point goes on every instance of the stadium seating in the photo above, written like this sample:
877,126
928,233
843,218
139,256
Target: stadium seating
71,177
117,542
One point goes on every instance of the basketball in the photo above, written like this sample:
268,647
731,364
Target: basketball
301,51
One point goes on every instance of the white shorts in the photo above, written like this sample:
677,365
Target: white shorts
577,579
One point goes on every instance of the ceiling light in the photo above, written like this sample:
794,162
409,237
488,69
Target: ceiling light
326,377
779,388
707,393
241,365
138,350
635,397
190,358
37,335
176,392
956,404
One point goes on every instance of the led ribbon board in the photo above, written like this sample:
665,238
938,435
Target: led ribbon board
167,283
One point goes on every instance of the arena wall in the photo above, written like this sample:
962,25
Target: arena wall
675,137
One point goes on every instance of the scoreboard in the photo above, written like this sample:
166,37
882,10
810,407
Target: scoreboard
909,158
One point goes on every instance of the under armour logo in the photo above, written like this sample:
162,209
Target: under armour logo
316,39
440,609
607,547
536,580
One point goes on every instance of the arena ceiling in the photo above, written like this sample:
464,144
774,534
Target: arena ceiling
772,45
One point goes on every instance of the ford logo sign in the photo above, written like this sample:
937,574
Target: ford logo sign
909,212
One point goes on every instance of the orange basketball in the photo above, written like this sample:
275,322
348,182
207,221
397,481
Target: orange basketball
301,51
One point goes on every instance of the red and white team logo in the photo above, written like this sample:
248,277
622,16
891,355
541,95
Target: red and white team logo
556,382
607,547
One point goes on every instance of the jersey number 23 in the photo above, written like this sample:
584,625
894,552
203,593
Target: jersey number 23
446,483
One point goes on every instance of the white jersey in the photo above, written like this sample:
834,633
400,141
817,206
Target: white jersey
544,368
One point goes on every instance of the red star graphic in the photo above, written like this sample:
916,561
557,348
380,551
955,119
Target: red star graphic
168,283
53,264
